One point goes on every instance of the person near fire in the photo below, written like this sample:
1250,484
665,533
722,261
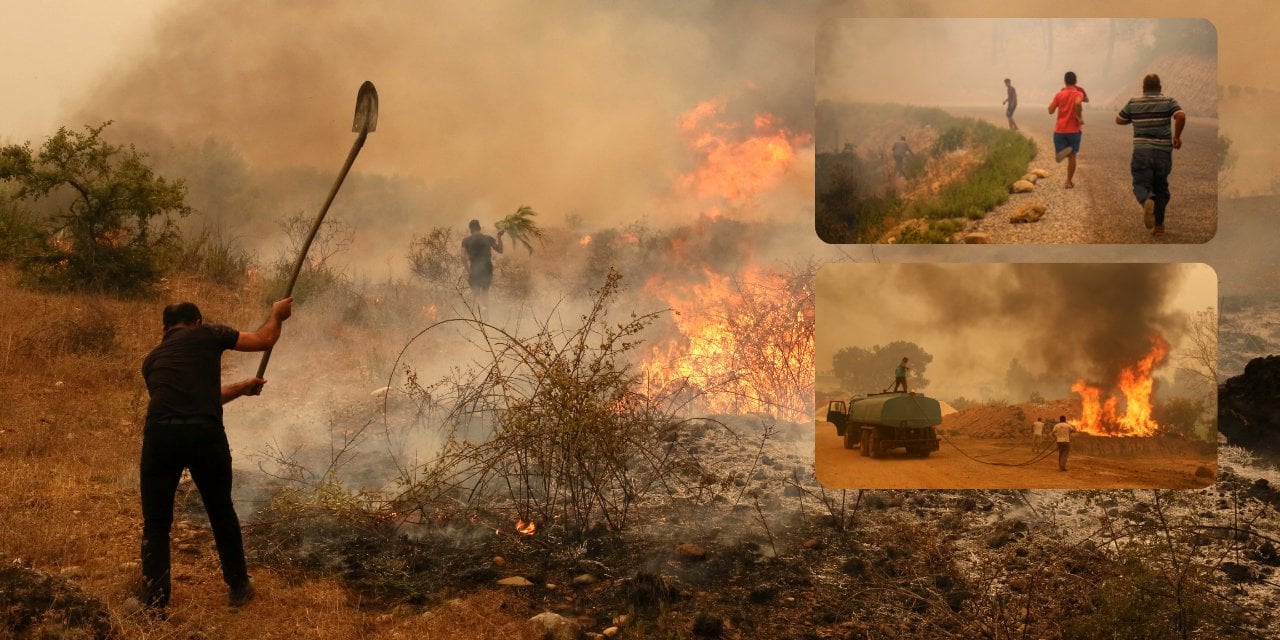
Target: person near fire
477,252
1012,101
900,152
900,375
184,430
1153,143
1069,105
1037,433
1062,434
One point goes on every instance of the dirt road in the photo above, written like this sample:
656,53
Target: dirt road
1101,208
967,463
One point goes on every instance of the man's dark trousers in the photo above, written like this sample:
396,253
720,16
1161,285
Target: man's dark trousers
168,448
1150,168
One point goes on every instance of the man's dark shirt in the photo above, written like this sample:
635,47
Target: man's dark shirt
479,248
184,373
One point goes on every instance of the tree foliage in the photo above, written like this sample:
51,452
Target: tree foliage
111,213
870,370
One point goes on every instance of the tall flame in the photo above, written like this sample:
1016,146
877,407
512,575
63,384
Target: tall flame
735,166
745,344
1101,416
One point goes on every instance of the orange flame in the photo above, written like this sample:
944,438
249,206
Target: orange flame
1135,384
586,240
735,168
527,528
745,344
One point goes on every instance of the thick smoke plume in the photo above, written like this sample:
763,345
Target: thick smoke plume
1089,320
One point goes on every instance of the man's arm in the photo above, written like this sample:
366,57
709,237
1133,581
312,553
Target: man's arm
1053,104
497,244
246,387
1179,121
266,335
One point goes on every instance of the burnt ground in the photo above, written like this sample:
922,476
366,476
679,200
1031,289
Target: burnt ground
763,551
35,604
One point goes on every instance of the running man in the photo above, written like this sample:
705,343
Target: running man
1153,145
477,252
1069,105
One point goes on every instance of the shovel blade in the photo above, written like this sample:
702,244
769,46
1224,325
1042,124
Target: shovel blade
366,109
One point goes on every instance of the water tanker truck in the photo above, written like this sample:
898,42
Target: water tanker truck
879,422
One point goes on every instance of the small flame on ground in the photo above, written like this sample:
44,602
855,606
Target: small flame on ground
585,240
527,528
1101,416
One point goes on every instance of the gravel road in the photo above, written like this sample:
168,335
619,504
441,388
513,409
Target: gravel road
1101,208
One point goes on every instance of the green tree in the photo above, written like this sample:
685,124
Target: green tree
111,213
870,370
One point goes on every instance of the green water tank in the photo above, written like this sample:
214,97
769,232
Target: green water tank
895,410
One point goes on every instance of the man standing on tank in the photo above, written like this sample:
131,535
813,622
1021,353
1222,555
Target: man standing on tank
184,430
477,251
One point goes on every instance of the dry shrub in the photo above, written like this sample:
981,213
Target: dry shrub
571,442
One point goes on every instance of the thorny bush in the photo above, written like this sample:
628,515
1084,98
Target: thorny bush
570,442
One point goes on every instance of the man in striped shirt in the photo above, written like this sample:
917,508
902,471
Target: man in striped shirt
1153,143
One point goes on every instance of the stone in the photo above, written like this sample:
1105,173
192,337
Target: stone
555,626
515,581
812,543
499,561
584,580
1029,212
1022,186
610,632
1043,173
977,237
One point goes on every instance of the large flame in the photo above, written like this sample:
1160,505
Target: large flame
745,344
735,165
1101,416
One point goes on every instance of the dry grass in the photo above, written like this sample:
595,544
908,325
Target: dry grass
72,403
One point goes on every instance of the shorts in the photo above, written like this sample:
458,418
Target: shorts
1009,112
1063,140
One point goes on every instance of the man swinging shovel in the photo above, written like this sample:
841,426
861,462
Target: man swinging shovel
184,428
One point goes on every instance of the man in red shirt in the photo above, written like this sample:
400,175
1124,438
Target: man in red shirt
1069,105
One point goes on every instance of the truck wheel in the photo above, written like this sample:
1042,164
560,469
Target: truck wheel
865,444
877,451
849,441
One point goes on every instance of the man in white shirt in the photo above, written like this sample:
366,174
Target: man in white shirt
1062,434
1037,433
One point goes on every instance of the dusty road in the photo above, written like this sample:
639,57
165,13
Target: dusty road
1101,208
951,468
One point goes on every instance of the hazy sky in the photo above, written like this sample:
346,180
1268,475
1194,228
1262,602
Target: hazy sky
54,50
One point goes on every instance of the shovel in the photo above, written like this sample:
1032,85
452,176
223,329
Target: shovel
366,120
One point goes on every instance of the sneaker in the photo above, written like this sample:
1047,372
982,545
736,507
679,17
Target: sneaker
241,595
1149,212
1063,153
1158,230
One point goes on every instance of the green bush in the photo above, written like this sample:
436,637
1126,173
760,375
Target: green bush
950,140
19,232
117,220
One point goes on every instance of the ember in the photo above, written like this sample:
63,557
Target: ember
527,528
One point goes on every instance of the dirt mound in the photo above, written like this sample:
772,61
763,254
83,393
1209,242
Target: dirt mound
1247,412
1006,421
38,605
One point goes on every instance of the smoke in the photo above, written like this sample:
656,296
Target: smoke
964,61
569,107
